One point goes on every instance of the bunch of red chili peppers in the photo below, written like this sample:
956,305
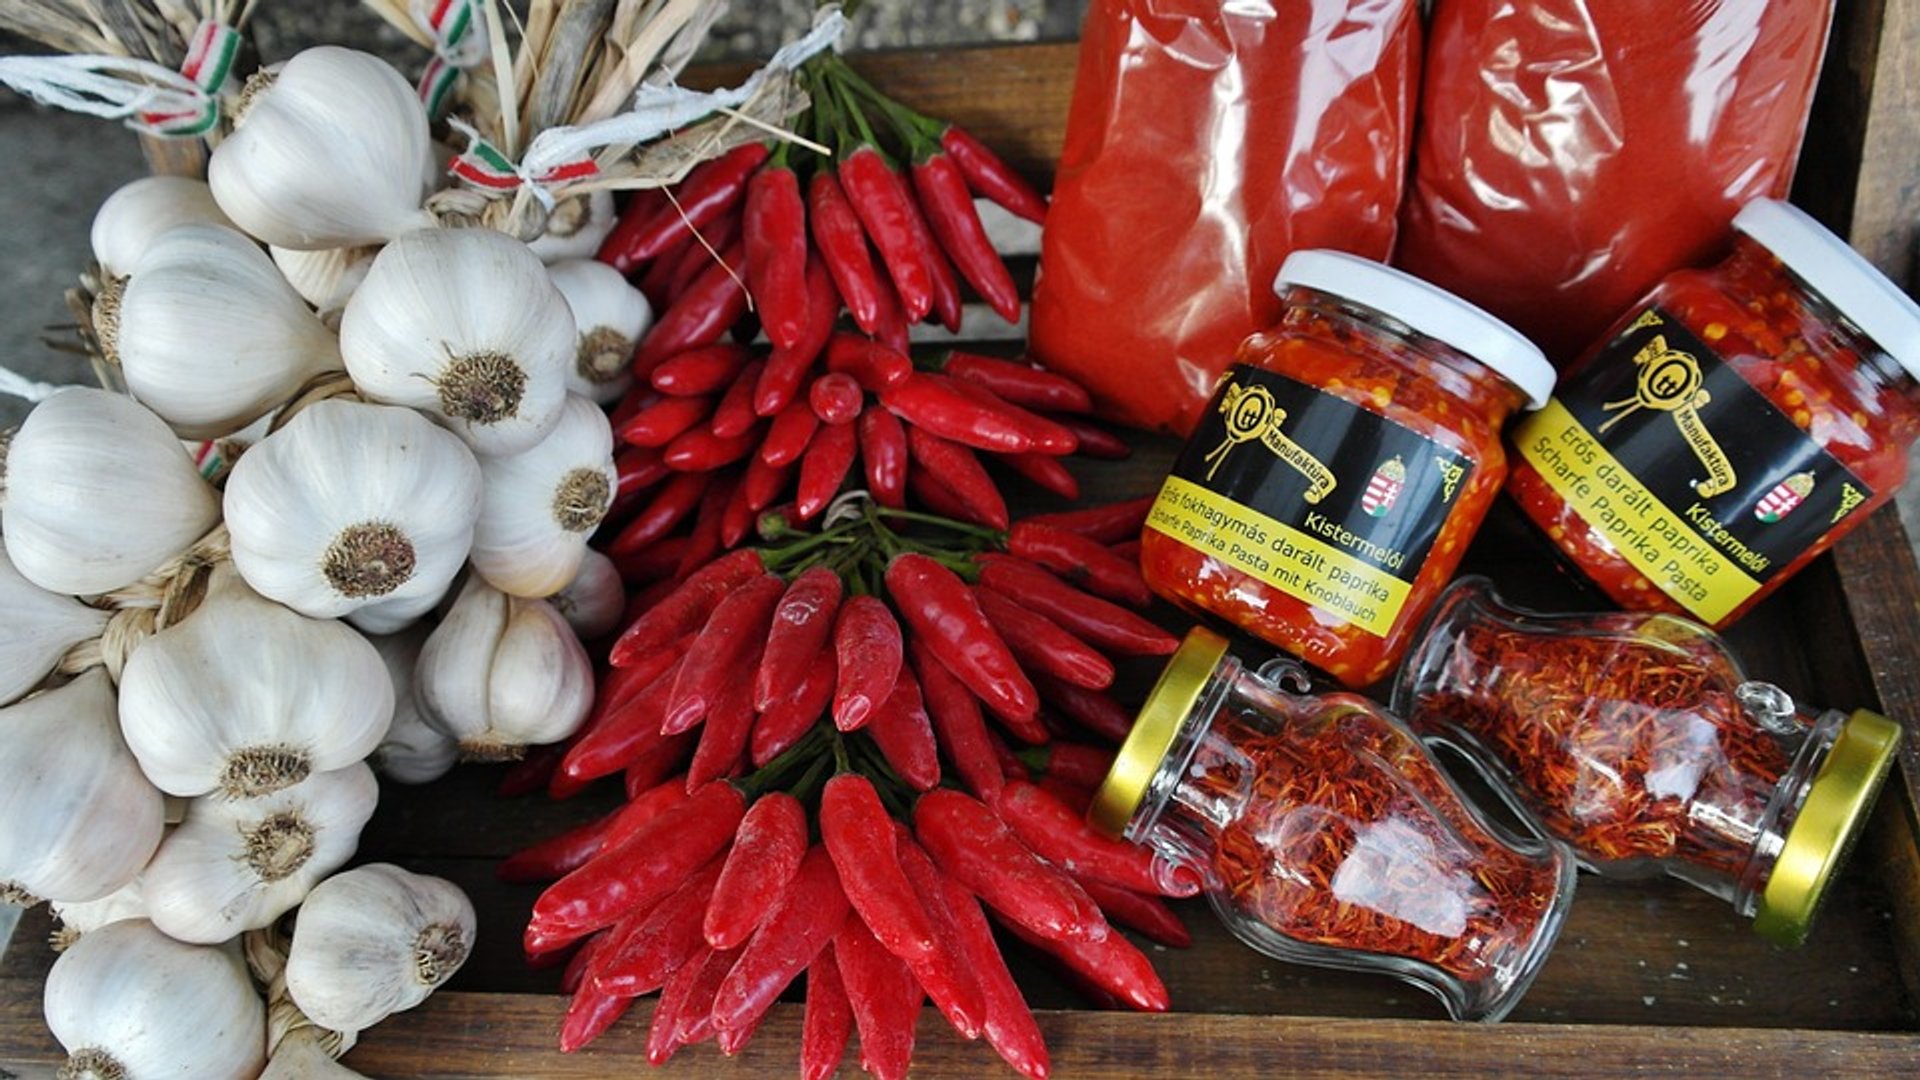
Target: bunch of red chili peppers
818,684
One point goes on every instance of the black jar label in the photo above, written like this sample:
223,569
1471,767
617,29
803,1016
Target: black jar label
1698,480
1330,503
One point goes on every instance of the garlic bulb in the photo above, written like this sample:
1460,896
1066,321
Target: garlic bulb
392,616
596,598
127,1001
325,278
238,864
77,818
500,674
464,324
538,507
97,493
351,504
609,318
329,156
86,916
244,697
414,751
575,227
141,212
375,941
38,629
210,336
301,1055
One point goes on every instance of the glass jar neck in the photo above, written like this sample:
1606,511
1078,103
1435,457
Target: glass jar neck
1817,732
1168,799
1758,279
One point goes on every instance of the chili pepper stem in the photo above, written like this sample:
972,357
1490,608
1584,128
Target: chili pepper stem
764,779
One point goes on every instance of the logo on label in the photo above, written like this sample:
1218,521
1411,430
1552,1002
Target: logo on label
1384,487
1850,497
1251,413
1670,381
1786,496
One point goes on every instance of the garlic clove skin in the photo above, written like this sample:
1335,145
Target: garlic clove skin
38,629
466,325
86,916
594,600
77,818
320,158
352,504
98,492
374,941
324,278
392,616
127,1001
300,1056
501,674
538,507
244,697
576,227
210,335
414,751
238,864
139,213
609,318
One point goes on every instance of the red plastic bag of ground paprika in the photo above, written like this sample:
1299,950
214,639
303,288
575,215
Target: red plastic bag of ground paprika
1205,142
1573,152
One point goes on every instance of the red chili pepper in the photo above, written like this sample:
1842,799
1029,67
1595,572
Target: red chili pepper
1056,833
782,725
686,609
694,1024
893,330
972,844
653,566
883,448
1146,914
700,450
658,423
734,416
992,177
641,810
530,773
1042,646
1048,437
955,713
628,729
942,408
875,366
885,998
1008,1023
1094,441
766,855
789,434
638,469
669,508
905,735
644,951
653,765
954,468
764,483
703,369
634,217
775,226
643,868
1081,561
699,253
829,456
589,1015
944,613
1044,472
703,542
935,496
887,212
867,649
1020,383
859,835
842,243
802,626
556,856
738,519
835,398
1076,764
787,367
805,917
1112,523
728,726
700,316
701,198
828,1019
949,210
737,629
1094,711
1112,965
947,307
663,275
662,1039
583,958
1130,551
1098,622
944,975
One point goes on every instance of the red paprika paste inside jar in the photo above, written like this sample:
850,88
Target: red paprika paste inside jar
1344,463
1731,426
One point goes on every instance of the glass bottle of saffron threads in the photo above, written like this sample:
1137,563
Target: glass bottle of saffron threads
1326,834
1636,738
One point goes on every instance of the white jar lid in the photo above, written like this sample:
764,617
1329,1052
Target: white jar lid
1431,310
1839,274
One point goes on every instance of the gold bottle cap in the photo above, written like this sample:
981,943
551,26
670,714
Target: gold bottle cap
1177,693
1836,808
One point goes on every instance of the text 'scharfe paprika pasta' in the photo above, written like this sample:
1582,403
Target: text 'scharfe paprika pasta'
1572,152
1205,142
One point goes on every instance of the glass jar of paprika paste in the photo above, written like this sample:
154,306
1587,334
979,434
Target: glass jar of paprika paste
1636,738
1731,426
1325,833
1348,456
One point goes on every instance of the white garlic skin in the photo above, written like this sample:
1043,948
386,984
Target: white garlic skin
86,916
594,600
539,507
329,156
211,337
571,235
466,325
98,493
324,278
139,213
300,1056
78,819
127,995
414,751
244,697
352,504
609,319
238,864
38,629
375,941
501,673
384,617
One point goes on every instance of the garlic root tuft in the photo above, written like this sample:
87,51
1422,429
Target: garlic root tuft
581,500
438,952
279,845
91,1063
368,560
604,355
12,893
261,770
490,750
105,316
482,387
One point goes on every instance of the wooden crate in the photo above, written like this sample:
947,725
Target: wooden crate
1651,976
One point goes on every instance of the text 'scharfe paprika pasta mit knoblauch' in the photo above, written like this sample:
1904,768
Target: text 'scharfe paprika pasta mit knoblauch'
1205,142
1572,152
1349,456
1732,425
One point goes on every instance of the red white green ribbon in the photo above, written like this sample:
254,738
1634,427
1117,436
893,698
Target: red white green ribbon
458,29
485,167
209,62
149,97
